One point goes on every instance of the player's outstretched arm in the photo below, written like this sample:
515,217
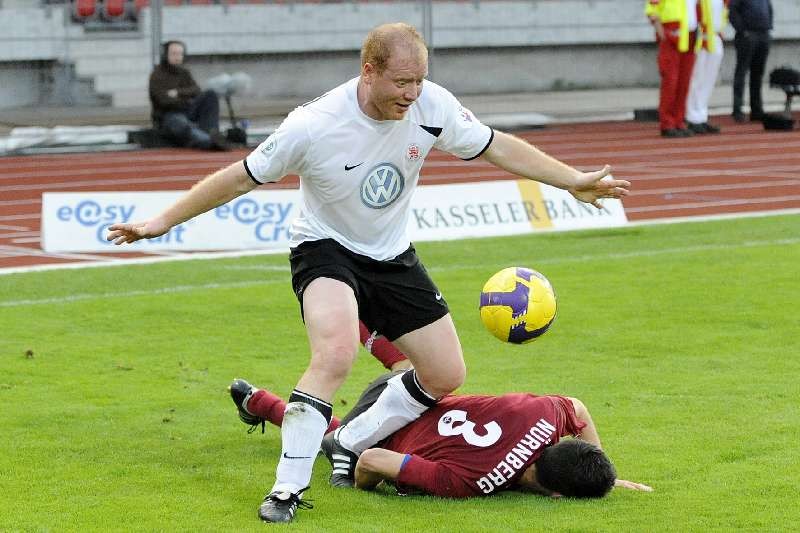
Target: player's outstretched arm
215,190
375,465
525,160
589,434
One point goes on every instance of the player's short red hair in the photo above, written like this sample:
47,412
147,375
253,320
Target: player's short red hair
380,42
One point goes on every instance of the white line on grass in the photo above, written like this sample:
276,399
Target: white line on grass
192,256
128,294
450,268
630,255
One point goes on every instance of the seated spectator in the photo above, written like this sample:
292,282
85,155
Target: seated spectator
183,112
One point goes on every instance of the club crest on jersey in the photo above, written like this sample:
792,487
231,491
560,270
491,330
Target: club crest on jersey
465,114
382,186
413,152
269,145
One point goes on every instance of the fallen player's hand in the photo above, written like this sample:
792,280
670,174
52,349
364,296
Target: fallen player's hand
590,187
624,484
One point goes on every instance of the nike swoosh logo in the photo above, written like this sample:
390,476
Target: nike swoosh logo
348,167
438,296
285,456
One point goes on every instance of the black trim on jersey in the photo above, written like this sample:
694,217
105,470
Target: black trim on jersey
250,173
433,131
315,99
476,156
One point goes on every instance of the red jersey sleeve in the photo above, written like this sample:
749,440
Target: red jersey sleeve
570,424
432,478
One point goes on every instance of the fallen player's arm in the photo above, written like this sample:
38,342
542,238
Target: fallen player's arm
376,465
624,484
589,432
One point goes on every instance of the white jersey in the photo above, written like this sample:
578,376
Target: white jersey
357,174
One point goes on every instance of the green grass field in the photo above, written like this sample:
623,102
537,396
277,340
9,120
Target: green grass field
681,339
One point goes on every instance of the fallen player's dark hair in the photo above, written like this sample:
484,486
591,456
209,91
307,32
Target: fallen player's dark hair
576,468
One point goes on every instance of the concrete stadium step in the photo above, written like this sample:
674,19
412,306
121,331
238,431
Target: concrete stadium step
109,47
131,98
91,66
113,82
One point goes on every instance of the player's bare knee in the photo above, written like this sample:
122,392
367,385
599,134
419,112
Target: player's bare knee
366,461
445,383
449,385
333,363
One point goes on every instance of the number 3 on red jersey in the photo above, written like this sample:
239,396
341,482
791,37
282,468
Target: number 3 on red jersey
467,429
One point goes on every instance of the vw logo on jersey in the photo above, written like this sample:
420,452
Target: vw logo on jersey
382,186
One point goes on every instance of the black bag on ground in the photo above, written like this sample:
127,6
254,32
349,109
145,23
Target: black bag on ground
778,121
236,135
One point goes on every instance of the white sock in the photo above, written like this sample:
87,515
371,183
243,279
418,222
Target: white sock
394,409
301,435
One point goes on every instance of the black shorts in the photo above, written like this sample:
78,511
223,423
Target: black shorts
394,297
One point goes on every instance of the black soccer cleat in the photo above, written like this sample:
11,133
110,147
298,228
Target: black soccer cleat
241,391
341,459
280,507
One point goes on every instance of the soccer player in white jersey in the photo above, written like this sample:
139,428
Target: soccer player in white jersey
358,150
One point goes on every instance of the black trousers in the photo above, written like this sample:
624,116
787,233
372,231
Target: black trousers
193,126
752,49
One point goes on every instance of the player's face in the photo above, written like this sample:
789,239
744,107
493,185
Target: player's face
529,482
175,54
392,91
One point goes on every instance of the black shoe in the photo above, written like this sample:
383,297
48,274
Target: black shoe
241,392
281,506
710,128
757,117
676,132
697,127
342,460
739,117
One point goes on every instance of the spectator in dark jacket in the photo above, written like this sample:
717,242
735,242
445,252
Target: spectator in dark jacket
752,20
182,111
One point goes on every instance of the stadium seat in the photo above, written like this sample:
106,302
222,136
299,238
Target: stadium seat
114,9
84,9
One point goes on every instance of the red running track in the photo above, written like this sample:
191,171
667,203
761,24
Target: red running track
745,169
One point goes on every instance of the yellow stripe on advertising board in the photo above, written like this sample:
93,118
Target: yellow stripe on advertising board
531,196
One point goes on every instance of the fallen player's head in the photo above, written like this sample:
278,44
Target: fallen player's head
575,468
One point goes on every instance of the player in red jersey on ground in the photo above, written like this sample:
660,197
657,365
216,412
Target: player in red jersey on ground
470,445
